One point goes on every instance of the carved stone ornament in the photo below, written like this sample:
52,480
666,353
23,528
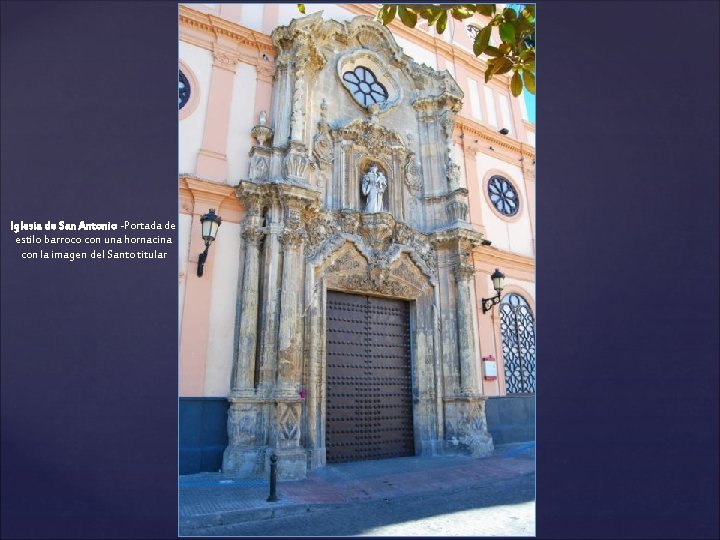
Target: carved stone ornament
318,231
262,133
412,173
252,235
447,121
292,237
453,174
253,204
241,424
288,424
225,59
323,145
400,278
349,222
457,208
377,229
377,140
259,168
464,271
295,165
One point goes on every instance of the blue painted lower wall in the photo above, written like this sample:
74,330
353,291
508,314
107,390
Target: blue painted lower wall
202,433
203,428
511,418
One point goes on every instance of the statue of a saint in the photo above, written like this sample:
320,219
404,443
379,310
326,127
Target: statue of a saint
374,184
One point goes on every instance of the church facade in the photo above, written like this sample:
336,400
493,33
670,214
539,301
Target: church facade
366,196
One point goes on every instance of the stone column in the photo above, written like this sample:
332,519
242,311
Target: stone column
244,455
286,424
270,304
244,373
464,273
290,332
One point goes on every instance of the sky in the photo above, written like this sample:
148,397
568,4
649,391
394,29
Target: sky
530,103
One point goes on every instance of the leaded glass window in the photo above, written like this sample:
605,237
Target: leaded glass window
364,86
517,327
183,90
503,196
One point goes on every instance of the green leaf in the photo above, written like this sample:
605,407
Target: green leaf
441,23
301,8
435,14
529,79
490,69
529,11
516,84
461,13
425,13
407,16
389,14
482,40
485,9
507,32
502,65
492,51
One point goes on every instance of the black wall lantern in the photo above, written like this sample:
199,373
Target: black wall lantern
498,279
209,224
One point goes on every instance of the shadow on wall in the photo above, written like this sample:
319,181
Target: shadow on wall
511,418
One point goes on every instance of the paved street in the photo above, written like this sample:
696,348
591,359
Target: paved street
498,508
451,495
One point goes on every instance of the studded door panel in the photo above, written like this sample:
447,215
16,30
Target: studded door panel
369,391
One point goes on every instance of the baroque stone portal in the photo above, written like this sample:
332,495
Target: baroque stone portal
345,199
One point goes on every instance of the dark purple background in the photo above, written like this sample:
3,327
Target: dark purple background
627,214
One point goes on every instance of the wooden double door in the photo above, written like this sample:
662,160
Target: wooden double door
369,385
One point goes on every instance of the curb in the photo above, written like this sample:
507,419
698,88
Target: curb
234,517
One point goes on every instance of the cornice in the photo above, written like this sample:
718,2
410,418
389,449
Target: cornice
470,128
496,257
207,188
219,28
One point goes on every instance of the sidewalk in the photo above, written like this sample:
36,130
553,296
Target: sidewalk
212,499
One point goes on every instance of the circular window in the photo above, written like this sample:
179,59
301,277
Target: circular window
364,86
503,196
183,90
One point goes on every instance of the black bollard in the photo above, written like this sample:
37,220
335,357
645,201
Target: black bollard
273,479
